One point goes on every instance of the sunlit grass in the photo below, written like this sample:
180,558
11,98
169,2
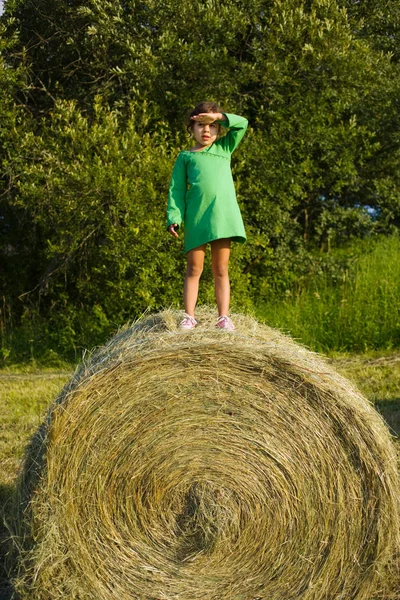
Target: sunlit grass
24,398
360,313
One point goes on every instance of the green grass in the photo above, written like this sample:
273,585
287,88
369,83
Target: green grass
378,377
23,400
24,397
358,313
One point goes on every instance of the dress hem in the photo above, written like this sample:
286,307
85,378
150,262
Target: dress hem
234,238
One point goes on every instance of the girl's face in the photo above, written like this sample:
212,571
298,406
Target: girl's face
205,134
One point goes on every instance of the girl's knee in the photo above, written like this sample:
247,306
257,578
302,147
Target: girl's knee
220,270
193,270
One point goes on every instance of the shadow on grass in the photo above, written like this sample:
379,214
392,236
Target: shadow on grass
390,411
6,589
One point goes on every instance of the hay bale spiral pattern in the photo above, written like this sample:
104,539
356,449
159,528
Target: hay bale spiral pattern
207,465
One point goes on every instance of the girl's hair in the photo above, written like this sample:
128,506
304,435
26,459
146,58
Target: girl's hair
203,107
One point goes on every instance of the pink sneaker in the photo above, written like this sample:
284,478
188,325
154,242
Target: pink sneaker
188,322
224,322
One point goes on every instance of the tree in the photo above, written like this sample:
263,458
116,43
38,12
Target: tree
378,22
317,168
306,165
12,252
166,53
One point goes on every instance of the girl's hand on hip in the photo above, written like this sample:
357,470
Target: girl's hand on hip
172,231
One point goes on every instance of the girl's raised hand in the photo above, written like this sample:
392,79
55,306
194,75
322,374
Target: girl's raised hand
209,117
172,231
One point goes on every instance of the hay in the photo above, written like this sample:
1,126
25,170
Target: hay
206,465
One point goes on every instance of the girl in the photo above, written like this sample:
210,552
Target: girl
202,195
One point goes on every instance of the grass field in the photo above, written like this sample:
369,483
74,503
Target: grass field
25,394
355,311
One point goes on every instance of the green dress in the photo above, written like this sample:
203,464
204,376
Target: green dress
202,193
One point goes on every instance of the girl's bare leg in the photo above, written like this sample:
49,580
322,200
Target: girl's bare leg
195,263
220,252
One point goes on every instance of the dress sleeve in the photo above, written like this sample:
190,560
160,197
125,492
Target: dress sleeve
177,193
237,128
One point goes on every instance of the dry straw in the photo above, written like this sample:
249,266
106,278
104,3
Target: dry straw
206,465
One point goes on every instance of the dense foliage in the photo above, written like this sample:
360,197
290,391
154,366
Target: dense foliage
93,97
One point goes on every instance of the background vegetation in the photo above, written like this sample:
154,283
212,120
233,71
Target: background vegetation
93,96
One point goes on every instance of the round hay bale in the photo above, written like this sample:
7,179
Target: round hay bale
206,465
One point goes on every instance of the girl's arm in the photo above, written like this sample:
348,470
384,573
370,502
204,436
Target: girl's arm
177,194
237,128
210,118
